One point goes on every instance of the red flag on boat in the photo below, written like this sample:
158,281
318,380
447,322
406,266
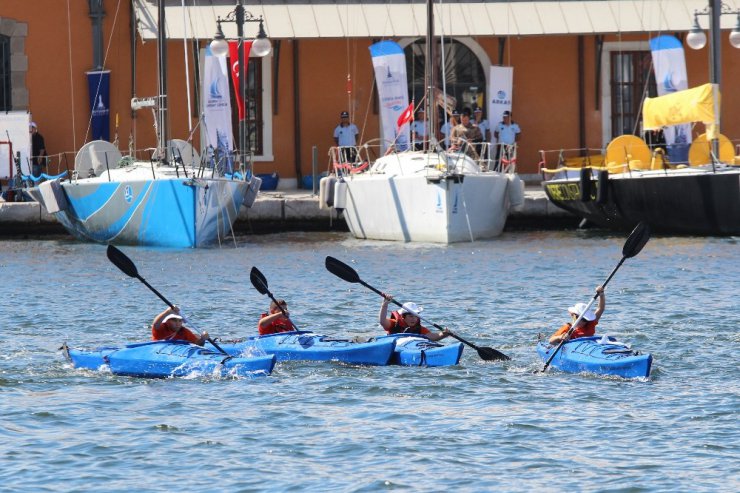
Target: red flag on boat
234,59
406,116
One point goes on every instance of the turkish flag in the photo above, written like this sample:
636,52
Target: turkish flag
406,116
234,60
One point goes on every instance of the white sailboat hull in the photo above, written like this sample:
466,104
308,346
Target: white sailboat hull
427,208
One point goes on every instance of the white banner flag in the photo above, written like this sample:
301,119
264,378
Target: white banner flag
217,136
669,63
500,87
389,63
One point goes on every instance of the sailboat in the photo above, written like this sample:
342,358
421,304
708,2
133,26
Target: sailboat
637,184
171,200
428,195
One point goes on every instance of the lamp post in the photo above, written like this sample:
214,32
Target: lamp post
696,40
260,47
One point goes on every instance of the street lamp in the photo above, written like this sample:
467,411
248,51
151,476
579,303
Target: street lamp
696,40
260,47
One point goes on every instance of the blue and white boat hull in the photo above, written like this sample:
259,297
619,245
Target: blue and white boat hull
176,212
599,355
309,346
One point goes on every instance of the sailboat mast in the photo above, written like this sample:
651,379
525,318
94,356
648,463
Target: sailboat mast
430,72
162,75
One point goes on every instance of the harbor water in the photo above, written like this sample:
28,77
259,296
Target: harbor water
479,426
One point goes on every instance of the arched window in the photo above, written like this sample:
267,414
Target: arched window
464,76
5,89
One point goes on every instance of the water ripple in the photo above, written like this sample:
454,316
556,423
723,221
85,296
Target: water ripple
331,427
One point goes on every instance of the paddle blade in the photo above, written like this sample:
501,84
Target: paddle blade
258,280
636,240
341,270
490,354
122,261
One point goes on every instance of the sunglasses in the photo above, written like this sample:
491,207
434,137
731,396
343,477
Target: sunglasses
410,315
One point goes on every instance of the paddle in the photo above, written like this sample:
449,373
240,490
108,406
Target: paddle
259,281
344,271
635,241
127,266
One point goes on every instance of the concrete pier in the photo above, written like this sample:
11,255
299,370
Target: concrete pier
287,210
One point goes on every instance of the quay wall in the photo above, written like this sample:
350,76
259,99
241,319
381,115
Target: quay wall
286,210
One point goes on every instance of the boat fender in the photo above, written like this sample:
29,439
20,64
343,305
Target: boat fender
252,191
602,191
340,195
516,191
52,196
585,185
326,192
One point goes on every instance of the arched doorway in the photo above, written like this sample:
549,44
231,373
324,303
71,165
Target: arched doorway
464,74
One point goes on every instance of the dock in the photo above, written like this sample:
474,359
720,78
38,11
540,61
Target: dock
288,210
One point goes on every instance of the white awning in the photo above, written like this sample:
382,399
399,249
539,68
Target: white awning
288,19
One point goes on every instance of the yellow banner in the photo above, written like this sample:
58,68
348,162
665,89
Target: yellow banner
688,106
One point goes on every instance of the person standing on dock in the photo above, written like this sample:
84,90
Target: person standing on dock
38,151
345,136
506,134
466,135
168,326
586,326
420,129
406,320
446,128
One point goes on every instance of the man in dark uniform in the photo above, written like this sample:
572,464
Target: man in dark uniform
38,151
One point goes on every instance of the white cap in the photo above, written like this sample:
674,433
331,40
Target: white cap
171,316
580,308
33,125
411,307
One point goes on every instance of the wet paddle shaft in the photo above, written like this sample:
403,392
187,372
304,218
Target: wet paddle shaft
344,271
636,240
127,266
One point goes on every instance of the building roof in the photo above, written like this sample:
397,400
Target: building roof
287,19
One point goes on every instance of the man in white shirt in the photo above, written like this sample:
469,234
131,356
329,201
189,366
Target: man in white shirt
419,129
345,136
507,133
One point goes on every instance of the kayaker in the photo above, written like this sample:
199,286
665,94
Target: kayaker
586,326
168,326
275,322
406,320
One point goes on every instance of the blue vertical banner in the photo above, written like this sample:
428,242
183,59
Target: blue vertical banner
98,85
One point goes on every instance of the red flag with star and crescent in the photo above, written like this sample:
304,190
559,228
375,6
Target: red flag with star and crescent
234,59
406,116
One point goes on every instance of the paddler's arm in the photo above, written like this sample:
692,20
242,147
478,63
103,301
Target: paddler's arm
436,336
602,302
267,320
158,319
383,315
202,338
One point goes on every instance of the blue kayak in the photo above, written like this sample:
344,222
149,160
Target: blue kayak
417,350
599,355
304,345
162,359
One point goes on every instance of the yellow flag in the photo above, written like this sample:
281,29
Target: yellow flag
688,106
